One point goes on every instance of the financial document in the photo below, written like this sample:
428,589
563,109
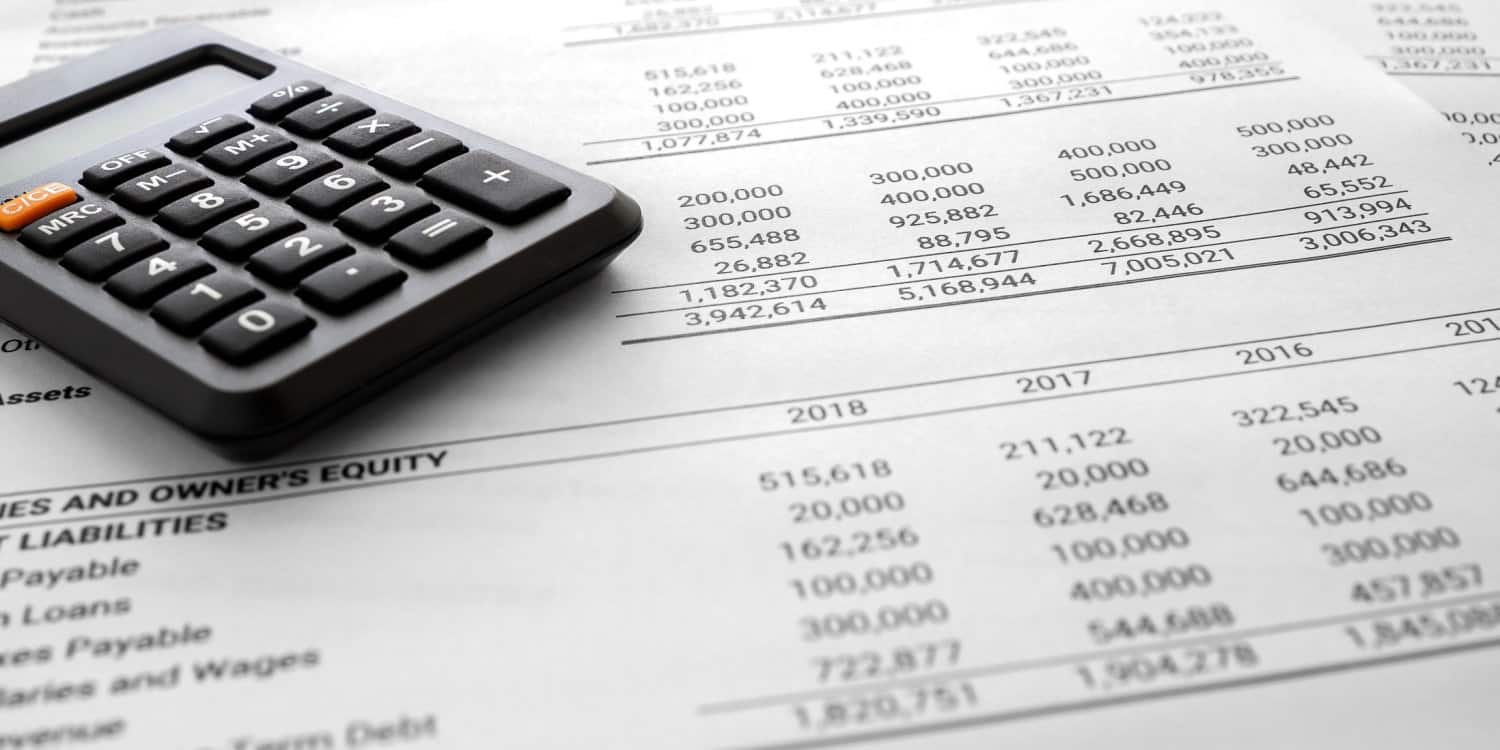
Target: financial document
987,374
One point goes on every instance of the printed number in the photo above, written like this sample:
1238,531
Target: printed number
207,201
338,182
253,223
157,266
392,204
305,246
292,162
256,321
206,291
113,240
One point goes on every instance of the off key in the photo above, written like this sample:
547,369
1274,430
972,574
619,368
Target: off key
34,204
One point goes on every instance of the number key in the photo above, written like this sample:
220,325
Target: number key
193,308
286,173
237,238
151,279
376,219
96,259
191,215
256,333
287,261
336,191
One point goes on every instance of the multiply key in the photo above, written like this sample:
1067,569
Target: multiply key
494,187
370,134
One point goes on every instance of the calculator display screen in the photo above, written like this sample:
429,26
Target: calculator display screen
118,119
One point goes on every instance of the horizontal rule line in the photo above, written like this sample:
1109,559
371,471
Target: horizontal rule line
1059,660
1107,258
663,416
1121,700
1022,243
713,440
944,121
930,103
1021,295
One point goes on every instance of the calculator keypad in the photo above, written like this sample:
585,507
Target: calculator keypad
194,140
376,219
330,194
438,239
157,188
284,174
286,99
493,187
237,155
287,261
191,215
102,256
409,158
365,137
111,172
256,332
324,116
54,233
350,284
286,248
151,279
193,308
236,239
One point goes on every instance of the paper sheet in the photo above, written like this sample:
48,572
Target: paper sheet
1120,374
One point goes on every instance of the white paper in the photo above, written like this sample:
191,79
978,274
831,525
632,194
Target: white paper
1445,52
614,525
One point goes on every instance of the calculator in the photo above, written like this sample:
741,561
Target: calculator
252,246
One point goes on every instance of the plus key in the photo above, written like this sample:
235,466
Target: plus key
493,187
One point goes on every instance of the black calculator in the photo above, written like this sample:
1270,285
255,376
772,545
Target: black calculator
253,247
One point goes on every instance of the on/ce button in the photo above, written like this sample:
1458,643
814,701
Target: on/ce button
34,204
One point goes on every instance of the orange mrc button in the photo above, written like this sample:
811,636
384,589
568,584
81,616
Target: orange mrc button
34,204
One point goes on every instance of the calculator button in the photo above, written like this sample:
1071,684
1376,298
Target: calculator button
350,284
495,188
438,239
409,158
325,116
288,261
239,154
192,215
286,99
34,204
237,238
101,256
192,141
376,219
111,172
156,189
335,191
60,230
151,279
256,333
193,308
365,137
286,173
